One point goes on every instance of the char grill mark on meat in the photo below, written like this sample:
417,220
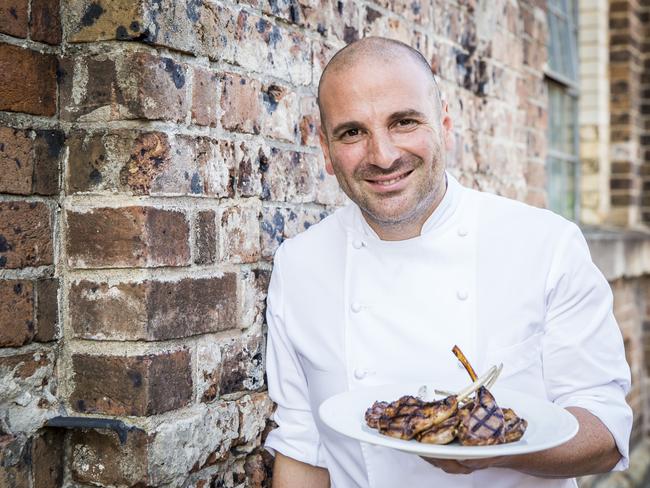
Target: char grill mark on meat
412,416
443,433
482,425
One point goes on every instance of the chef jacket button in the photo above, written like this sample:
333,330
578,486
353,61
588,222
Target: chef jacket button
462,294
356,307
462,231
357,244
360,373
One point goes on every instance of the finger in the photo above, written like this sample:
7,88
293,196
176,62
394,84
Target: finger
449,466
484,463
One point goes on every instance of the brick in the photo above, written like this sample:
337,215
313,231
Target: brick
249,159
131,385
29,161
153,310
17,324
205,94
98,457
240,235
254,413
206,238
338,20
208,361
16,161
140,236
14,462
25,235
289,176
45,23
91,20
257,472
14,17
242,365
28,311
139,86
28,384
279,116
47,459
148,163
309,122
255,282
241,104
48,151
27,81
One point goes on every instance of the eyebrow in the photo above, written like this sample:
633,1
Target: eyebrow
402,114
405,114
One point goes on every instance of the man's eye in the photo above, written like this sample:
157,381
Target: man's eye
406,122
351,133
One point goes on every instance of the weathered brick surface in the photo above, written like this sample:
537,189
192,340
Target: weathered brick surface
146,181
149,163
47,459
242,365
25,234
30,161
15,19
205,94
140,86
29,388
240,235
241,104
153,310
99,457
137,236
27,81
131,385
45,23
206,237
17,324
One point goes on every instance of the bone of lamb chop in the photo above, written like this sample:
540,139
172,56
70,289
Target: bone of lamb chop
483,423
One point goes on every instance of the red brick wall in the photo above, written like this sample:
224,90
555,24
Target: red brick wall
153,155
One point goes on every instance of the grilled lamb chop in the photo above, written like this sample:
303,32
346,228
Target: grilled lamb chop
409,420
443,433
483,423
514,426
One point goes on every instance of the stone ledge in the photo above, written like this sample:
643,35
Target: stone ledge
619,253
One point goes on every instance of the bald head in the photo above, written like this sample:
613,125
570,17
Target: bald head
379,50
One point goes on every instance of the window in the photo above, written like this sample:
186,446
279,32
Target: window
562,164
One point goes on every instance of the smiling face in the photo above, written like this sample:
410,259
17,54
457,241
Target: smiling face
384,138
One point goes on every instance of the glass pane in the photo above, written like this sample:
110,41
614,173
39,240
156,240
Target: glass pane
562,46
561,119
561,186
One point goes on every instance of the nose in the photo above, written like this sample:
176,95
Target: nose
383,151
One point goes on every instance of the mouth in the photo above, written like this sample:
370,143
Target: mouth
390,182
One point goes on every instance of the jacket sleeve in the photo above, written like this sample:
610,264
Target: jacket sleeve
296,435
583,352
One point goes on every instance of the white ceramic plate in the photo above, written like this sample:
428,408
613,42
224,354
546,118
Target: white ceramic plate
548,424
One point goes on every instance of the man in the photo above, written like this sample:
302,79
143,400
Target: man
381,290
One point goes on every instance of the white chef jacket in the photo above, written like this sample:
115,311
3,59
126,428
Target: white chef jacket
507,282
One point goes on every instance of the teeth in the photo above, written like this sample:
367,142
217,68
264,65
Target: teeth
390,182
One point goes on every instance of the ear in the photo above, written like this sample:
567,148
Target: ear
326,150
447,126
